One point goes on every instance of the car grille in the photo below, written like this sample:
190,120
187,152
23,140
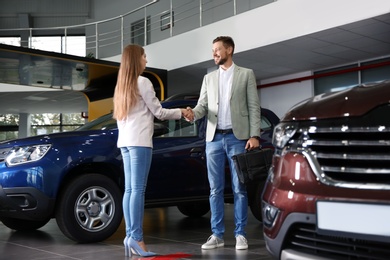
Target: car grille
349,150
303,238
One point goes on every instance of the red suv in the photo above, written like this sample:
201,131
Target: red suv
328,191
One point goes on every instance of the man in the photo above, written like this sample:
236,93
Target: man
229,99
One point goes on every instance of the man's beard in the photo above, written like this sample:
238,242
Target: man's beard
221,61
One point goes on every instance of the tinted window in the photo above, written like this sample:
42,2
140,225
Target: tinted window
265,123
174,128
162,128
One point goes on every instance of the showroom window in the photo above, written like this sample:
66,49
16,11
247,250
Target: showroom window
365,72
40,124
55,123
9,126
376,74
14,41
336,81
73,45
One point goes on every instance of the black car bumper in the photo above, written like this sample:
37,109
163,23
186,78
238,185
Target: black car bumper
25,203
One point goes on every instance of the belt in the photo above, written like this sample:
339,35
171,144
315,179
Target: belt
224,131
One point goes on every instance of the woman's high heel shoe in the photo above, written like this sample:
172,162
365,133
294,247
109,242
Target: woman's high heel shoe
138,250
126,243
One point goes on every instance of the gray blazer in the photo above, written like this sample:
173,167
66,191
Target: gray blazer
244,104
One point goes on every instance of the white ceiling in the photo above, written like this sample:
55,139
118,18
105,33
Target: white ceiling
359,41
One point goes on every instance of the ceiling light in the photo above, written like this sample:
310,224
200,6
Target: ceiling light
35,98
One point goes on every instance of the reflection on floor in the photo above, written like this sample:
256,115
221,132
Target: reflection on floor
166,232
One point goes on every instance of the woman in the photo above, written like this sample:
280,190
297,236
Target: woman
135,106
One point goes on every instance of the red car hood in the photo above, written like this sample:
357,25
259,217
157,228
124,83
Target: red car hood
355,101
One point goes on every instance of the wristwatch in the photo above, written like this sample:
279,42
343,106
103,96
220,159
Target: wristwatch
257,137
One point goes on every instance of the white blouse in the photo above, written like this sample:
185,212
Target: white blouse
137,129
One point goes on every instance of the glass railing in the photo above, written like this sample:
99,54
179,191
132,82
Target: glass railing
155,21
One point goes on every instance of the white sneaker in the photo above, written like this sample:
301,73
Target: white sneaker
213,242
241,242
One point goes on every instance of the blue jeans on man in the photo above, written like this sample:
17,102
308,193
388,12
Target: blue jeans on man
222,146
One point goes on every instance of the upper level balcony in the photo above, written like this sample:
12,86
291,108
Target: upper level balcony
150,23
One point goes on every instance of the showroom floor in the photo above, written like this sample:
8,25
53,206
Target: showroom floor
166,232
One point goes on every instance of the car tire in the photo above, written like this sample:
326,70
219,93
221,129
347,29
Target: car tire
23,224
194,209
89,208
255,202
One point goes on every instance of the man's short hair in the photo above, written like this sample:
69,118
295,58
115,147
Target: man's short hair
227,41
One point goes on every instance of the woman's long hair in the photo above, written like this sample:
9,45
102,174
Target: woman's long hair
126,90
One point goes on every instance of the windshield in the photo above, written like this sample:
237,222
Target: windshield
102,123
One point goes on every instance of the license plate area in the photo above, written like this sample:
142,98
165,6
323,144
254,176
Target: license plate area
354,220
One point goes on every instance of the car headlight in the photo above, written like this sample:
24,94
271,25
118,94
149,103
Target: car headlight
25,154
283,132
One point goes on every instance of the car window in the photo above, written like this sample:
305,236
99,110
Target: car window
162,128
174,128
265,124
166,128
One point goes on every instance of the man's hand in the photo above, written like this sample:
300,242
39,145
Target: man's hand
252,143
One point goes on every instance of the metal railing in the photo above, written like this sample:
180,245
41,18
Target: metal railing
150,23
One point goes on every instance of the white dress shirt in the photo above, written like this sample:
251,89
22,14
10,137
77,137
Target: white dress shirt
225,89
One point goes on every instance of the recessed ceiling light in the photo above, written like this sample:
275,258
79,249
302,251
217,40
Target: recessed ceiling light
35,98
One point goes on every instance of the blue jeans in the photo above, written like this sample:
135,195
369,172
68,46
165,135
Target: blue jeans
225,145
136,163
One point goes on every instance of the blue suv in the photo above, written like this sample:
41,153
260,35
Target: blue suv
77,177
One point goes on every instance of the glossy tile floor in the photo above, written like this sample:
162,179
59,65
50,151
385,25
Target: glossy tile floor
166,232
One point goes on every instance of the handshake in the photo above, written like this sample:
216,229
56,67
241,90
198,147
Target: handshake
188,114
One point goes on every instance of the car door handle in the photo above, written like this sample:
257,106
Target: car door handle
196,152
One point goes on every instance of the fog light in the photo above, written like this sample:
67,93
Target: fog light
270,214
